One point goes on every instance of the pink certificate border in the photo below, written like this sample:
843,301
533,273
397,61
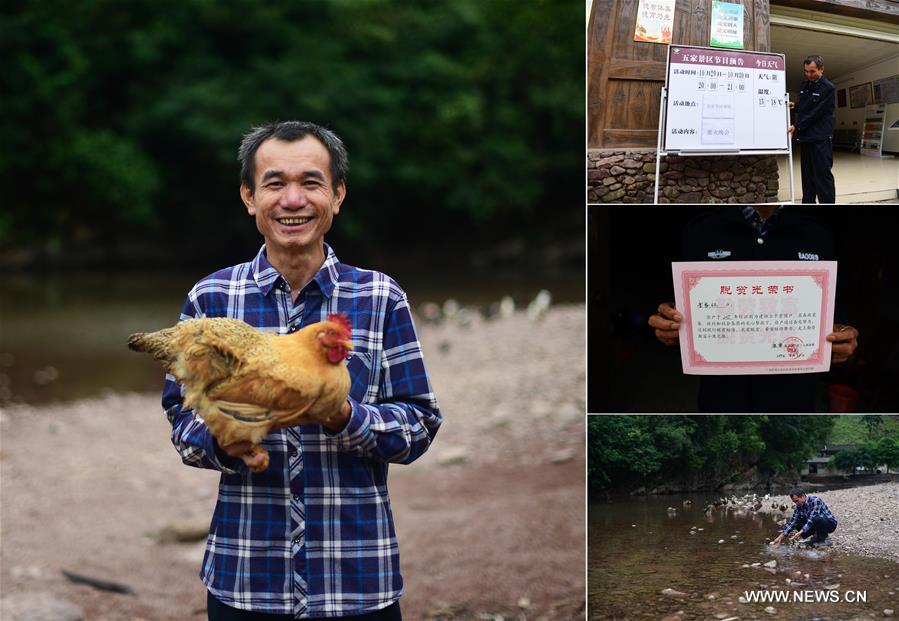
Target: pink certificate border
688,274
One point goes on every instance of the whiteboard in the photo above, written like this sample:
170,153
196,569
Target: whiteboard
725,101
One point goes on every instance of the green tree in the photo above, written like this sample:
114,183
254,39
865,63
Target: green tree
630,451
123,118
866,456
888,452
790,440
873,423
846,460
619,451
869,457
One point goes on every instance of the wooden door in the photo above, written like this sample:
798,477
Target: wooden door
625,77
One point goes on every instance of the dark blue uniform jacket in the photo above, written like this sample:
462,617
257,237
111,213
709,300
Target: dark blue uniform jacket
815,111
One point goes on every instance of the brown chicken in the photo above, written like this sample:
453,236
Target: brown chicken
244,382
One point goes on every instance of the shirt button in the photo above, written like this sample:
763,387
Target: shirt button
296,540
760,240
296,497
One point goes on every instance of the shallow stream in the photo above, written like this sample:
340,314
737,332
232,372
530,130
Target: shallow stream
648,562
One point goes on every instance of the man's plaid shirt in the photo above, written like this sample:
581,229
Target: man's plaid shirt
313,534
813,508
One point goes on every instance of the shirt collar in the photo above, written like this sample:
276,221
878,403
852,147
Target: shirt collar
752,217
327,276
267,277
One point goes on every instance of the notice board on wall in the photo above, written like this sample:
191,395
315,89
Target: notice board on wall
886,91
725,101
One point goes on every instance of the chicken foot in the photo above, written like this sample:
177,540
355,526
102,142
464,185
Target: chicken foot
258,450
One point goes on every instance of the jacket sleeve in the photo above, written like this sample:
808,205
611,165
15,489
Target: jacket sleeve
789,525
400,426
190,435
814,513
810,113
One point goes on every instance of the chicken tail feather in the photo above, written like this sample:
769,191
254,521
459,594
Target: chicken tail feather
136,341
153,343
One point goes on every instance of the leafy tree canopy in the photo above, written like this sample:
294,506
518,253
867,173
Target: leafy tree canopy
631,451
123,118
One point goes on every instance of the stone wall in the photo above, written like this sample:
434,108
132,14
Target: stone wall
629,177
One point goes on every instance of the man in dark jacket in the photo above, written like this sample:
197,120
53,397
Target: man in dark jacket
756,233
815,120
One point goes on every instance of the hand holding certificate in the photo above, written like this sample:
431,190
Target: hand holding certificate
755,317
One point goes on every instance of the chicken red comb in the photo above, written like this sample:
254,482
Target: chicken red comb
343,322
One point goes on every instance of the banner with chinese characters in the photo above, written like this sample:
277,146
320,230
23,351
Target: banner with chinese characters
755,317
725,101
727,25
655,21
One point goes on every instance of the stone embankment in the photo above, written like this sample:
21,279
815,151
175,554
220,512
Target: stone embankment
629,177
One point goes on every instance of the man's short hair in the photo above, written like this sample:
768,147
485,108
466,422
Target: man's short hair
290,131
797,491
814,58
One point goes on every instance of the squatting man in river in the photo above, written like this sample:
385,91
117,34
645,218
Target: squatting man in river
812,520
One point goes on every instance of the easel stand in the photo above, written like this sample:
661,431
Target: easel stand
718,152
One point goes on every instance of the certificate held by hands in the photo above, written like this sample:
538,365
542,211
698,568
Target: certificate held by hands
755,317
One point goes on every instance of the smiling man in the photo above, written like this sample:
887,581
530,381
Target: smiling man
313,534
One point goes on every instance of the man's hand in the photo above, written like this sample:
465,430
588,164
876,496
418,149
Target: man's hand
796,536
667,323
242,450
777,541
338,422
792,129
845,340
256,460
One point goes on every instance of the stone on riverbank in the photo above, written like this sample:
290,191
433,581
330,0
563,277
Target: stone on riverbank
184,531
39,606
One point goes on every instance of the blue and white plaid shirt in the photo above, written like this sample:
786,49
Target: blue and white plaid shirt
313,534
813,508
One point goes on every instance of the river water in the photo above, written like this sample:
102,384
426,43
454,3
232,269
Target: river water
63,336
638,548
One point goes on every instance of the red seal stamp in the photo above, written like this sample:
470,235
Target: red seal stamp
793,346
